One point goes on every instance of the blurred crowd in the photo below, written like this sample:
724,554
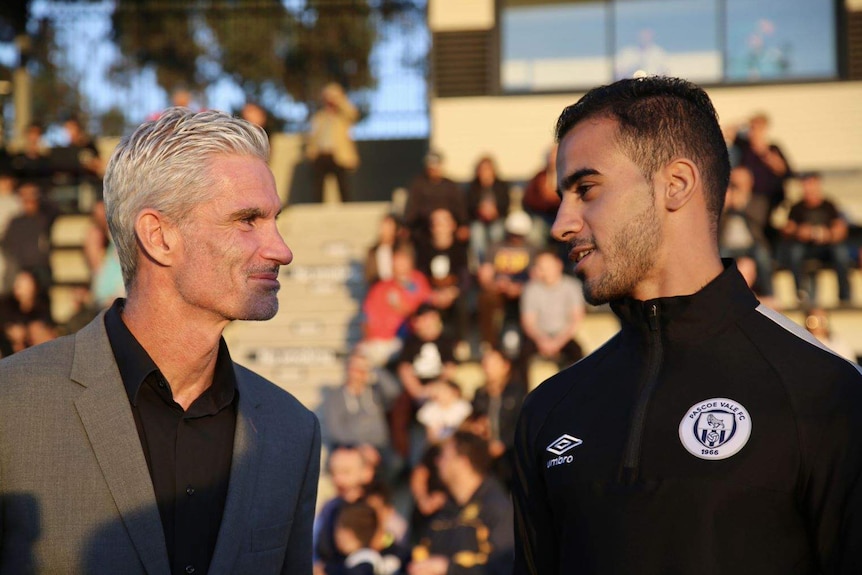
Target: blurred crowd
466,272
38,185
469,272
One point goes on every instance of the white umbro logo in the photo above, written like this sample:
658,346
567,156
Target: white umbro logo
563,443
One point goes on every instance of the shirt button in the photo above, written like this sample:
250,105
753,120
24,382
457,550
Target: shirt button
190,569
162,384
190,490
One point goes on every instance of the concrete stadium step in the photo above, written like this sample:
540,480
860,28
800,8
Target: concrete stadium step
69,266
827,289
65,301
70,230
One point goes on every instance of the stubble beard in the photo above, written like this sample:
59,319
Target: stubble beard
628,258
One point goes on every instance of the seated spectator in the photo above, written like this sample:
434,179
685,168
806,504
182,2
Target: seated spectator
10,206
487,207
431,191
378,262
552,310
816,230
741,237
444,410
752,148
473,532
27,242
498,402
31,162
355,530
25,315
428,491
428,355
392,536
501,281
106,282
350,472
541,200
389,303
88,154
443,260
355,412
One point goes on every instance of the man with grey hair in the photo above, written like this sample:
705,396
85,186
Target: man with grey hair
137,445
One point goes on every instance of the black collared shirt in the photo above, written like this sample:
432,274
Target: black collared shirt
188,452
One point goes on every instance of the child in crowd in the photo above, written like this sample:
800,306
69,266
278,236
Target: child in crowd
350,472
355,530
444,411
392,534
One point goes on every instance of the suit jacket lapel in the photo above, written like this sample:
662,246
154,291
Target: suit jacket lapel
246,458
110,426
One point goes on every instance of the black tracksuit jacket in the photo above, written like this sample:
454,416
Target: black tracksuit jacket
605,485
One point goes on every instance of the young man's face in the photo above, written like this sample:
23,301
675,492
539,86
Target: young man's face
608,214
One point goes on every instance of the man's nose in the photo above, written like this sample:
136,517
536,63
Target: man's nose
276,249
569,220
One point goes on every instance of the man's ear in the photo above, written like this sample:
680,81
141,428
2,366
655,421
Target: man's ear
156,236
681,180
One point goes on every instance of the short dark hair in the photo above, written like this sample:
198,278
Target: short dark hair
660,118
361,519
474,448
381,489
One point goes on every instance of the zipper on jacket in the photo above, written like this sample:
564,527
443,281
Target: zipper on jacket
631,460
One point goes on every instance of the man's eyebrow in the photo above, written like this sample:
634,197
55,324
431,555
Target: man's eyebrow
573,178
247,213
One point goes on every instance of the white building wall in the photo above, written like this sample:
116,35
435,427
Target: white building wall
818,125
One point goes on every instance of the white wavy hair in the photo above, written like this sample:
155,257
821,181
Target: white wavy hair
164,165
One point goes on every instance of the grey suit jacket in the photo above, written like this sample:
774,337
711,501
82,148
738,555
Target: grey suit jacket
75,492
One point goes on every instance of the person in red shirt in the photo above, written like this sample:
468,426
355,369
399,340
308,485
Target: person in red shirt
389,303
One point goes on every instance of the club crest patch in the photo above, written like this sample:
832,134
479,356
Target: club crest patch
715,428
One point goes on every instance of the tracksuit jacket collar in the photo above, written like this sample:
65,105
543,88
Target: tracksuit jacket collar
693,317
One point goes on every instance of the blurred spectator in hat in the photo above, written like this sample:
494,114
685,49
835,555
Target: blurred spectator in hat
816,230
430,191
501,281
329,146
741,237
487,205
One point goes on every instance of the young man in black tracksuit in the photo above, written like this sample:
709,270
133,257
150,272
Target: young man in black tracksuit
710,435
